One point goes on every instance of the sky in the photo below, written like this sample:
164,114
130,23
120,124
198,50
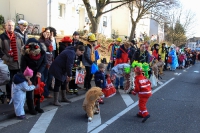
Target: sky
193,5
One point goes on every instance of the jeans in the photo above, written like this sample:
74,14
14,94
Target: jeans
47,79
119,81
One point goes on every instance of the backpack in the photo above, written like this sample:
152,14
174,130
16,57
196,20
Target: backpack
4,73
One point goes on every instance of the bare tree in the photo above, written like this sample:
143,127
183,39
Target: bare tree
152,9
100,6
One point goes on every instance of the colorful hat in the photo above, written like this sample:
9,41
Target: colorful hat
66,39
28,72
91,37
118,39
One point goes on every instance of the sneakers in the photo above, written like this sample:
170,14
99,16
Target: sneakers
21,117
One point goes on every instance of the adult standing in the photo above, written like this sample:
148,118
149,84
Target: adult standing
162,52
88,59
65,42
10,46
141,55
33,56
172,54
61,69
53,35
21,30
75,40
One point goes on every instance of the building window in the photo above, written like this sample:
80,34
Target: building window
61,10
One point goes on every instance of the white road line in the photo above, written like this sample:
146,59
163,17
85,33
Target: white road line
127,99
43,122
179,74
96,121
107,123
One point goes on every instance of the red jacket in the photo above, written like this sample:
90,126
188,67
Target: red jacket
142,85
155,54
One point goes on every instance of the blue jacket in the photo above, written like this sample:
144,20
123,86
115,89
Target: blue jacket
98,77
62,65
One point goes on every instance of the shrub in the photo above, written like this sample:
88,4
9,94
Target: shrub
1,20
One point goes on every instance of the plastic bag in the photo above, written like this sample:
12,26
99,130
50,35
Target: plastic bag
94,68
96,55
80,75
153,80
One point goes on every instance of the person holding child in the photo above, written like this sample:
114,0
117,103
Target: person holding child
21,84
143,89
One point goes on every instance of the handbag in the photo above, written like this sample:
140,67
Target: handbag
153,80
80,75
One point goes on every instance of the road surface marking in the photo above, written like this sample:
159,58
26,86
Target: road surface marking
179,74
107,123
196,71
96,121
127,98
43,122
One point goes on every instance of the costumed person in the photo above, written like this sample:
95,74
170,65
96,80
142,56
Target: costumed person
10,49
155,51
133,49
88,59
143,89
181,59
114,49
173,56
21,84
141,55
33,56
162,52
100,79
64,42
90,103
61,69
73,89
122,57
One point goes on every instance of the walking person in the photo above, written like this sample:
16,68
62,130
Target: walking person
61,69
10,46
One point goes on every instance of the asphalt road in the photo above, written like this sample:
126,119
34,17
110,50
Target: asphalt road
174,108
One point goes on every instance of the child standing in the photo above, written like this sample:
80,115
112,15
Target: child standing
21,84
143,88
100,79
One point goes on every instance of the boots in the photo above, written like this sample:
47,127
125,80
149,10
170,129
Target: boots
56,95
37,107
31,107
64,98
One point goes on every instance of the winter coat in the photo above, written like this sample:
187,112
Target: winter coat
98,77
141,58
76,43
114,52
133,49
142,85
24,36
86,57
35,65
174,63
118,70
62,65
162,52
122,55
155,54
19,88
5,48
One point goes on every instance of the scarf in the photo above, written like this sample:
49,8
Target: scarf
37,57
13,46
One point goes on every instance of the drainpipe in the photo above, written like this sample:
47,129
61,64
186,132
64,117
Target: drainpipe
49,12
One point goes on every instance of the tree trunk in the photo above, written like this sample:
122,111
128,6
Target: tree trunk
132,34
95,24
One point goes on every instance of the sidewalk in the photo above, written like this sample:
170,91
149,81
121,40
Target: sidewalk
7,111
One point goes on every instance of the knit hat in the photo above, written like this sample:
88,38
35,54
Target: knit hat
75,33
138,70
28,72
